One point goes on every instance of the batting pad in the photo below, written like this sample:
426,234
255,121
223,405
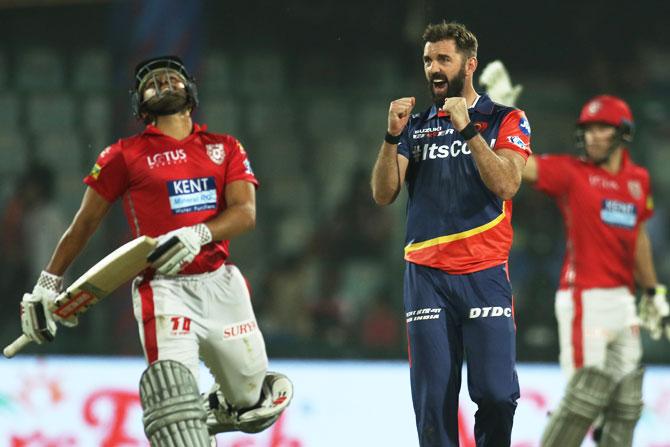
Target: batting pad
586,394
623,411
173,412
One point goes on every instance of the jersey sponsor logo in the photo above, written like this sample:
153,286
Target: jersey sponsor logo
517,141
433,151
431,132
635,189
618,214
593,107
180,325
193,194
239,329
166,158
216,152
247,167
105,151
95,171
650,203
524,126
601,182
427,313
494,311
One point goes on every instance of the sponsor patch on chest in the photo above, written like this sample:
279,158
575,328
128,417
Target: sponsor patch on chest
618,214
431,132
193,194
167,158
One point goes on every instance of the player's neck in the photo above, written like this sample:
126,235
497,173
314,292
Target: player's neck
613,165
470,95
177,126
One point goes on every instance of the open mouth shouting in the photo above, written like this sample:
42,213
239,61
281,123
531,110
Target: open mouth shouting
439,84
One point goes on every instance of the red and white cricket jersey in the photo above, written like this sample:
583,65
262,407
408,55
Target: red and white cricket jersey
602,214
166,184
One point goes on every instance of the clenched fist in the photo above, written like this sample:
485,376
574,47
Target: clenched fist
457,110
399,112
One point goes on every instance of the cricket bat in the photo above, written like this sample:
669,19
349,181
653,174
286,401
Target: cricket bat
103,278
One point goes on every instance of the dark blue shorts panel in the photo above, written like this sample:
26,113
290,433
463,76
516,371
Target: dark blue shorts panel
447,316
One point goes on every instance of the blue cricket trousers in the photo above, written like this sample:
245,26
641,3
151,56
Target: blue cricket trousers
449,316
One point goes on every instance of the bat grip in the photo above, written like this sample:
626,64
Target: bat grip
162,249
14,347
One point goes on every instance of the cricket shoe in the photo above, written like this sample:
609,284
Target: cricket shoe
276,394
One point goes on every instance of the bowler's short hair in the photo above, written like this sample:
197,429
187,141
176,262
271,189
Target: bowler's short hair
466,42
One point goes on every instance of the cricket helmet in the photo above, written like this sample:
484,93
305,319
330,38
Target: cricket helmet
146,73
608,109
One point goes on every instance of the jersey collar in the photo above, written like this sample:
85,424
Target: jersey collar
153,130
483,105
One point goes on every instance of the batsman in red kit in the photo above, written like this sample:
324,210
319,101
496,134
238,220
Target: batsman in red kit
605,199
177,180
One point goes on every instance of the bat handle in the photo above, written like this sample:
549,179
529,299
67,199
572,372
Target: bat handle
14,347
162,249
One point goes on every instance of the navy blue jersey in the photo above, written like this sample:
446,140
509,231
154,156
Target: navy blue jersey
454,222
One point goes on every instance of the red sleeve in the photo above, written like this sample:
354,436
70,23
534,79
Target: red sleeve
553,173
109,175
238,166
514,134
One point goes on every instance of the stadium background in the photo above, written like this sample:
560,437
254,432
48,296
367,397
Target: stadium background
305,86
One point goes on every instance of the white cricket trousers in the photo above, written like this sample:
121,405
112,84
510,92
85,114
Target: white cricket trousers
207,316
599,328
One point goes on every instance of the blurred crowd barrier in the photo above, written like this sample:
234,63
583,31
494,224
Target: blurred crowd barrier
324,263
94,402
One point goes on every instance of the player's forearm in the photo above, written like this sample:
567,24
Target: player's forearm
645,273
70,245
499,174
386,175
529,173
91,212
235,220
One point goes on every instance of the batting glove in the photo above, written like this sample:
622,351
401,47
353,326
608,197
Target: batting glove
37,321
190,241
498,85
655,312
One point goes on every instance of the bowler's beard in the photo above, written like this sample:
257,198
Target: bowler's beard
455,87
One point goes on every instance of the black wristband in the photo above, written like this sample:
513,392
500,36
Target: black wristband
468,132
392,139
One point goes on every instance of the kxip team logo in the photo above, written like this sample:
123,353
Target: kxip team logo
216,152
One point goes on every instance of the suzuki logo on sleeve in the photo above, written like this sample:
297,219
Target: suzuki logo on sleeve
495,311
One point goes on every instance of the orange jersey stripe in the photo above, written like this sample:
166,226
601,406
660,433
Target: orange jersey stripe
468,251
